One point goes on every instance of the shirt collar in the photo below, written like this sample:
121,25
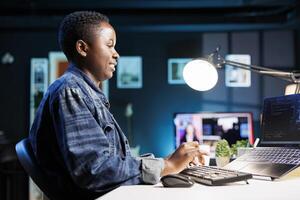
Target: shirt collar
78,72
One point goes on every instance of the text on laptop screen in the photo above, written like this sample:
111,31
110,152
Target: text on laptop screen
281,119
208,128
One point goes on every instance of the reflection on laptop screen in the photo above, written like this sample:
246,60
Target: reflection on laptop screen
281,120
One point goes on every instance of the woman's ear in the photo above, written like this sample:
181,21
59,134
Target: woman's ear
81,48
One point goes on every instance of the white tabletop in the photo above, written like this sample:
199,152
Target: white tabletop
256,189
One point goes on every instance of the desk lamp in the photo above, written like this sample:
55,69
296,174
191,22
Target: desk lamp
201,73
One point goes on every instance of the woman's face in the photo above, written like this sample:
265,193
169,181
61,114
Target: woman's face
102,56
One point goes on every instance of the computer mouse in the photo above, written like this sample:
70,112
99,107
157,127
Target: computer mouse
176,180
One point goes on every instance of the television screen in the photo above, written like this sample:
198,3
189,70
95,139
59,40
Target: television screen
208,128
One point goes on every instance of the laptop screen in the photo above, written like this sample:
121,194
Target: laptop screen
281,120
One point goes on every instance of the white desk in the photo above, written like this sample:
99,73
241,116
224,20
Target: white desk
256,189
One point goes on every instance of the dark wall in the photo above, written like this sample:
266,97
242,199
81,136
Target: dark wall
14,101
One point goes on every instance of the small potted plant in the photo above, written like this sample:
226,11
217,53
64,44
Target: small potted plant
238,146
223,153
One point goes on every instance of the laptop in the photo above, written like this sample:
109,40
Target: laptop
279,150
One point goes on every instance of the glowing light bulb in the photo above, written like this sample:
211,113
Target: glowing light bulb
200,75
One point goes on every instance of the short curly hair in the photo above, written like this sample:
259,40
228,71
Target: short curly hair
78,26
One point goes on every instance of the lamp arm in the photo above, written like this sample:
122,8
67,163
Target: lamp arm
288,76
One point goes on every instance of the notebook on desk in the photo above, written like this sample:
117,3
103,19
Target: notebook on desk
279,150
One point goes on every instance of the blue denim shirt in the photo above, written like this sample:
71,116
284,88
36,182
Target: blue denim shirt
80,145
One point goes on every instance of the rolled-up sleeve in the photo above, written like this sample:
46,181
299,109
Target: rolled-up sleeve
151,168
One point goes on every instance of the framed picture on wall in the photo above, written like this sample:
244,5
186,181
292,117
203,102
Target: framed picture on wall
58,65
38,83
129,72
175,68
235,77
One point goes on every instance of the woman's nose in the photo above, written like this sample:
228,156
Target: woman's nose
116,55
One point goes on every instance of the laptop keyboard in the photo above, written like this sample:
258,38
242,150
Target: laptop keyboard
280,155
209,175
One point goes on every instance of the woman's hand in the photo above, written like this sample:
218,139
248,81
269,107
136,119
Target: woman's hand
183,156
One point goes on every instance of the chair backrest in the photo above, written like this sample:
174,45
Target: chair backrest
28,161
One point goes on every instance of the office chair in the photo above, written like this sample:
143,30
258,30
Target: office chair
28,161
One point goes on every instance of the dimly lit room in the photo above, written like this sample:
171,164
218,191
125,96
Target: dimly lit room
149,99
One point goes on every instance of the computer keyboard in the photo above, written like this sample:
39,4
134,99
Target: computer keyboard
280,155
209,175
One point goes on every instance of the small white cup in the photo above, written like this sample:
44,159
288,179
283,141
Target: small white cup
205,148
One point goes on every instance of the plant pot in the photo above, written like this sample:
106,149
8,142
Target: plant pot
222,161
